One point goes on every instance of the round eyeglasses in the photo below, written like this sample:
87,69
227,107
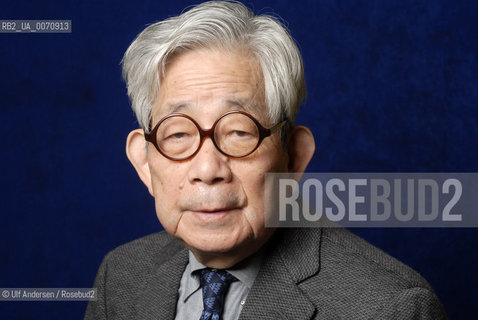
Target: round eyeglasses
235,134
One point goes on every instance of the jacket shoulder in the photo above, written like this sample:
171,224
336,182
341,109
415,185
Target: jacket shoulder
124,271
358,278
364,259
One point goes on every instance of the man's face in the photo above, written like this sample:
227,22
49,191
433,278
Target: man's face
214,203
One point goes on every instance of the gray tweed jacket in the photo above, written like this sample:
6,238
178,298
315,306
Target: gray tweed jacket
324,273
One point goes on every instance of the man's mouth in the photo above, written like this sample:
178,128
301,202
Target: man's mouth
213,210
209,215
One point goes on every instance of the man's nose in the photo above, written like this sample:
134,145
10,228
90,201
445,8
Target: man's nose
209,165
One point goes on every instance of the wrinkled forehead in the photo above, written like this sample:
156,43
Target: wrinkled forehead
215,80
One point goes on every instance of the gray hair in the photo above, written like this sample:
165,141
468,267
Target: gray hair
226,24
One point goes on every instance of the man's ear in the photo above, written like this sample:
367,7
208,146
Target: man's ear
136,150
301,148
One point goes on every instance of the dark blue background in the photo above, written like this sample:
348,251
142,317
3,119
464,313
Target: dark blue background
393,87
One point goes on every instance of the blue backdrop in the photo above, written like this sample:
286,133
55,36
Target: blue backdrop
393,87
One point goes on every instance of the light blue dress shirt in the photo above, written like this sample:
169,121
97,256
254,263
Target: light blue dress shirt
190,304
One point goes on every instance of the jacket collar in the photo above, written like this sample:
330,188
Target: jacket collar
292,257
159,293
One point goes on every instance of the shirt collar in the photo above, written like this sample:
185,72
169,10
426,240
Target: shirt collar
245,271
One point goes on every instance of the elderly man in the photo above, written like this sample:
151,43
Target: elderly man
216,91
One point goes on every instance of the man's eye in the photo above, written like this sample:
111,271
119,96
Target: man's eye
239,133
178,135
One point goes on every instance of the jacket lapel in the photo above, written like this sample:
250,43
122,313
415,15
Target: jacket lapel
160,291
292,257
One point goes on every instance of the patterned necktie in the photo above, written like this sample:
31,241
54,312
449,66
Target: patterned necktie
214,285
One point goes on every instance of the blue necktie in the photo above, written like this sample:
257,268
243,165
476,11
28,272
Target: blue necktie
214,285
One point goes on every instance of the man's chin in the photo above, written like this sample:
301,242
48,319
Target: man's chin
223,248
212,247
